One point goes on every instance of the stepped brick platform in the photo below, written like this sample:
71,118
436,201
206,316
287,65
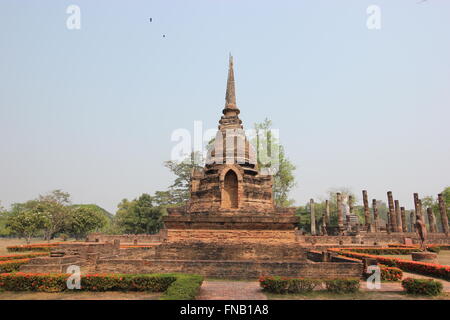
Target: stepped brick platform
82,254
279,221
227,269
228,251
56,265
127,238
232,236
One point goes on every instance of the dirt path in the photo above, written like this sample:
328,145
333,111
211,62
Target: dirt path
231,290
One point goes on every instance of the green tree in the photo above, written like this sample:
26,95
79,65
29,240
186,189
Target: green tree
284,179
139,215
25,222
125,220
54,207
84,219
3,218
178,192
149,217
436,210
446,196
108,217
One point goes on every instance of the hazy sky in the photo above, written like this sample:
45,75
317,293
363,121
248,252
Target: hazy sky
91,111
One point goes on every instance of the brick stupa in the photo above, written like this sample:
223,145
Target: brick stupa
230,192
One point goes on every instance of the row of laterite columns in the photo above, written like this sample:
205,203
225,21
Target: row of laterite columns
396,215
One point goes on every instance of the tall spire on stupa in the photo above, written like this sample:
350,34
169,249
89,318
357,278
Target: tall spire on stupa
230,117
230,96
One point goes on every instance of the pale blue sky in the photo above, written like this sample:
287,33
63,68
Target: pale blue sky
91,111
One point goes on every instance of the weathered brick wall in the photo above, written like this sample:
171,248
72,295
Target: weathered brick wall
228,251
128,238
234,269
232,236
83,249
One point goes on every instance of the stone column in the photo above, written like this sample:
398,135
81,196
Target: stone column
340,213
404,225
313,217
412,221
350,204
375,215
443,212
327,212
366,211
398,216
391,213
421,211
416,204
431,220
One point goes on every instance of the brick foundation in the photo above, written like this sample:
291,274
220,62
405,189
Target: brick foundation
234,269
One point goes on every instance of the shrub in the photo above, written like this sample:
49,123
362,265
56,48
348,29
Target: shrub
175,286
390,273
96,282
288,285
185,287
342,285
12,265
429,287
126,282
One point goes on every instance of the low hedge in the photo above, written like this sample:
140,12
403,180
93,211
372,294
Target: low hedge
429,269
57,282
32,247
342,285
185,287
283,285
288,285
22,256
428,287
390,273
12,265
174,286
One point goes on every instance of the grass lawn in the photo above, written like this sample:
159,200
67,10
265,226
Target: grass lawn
443,257
363,295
